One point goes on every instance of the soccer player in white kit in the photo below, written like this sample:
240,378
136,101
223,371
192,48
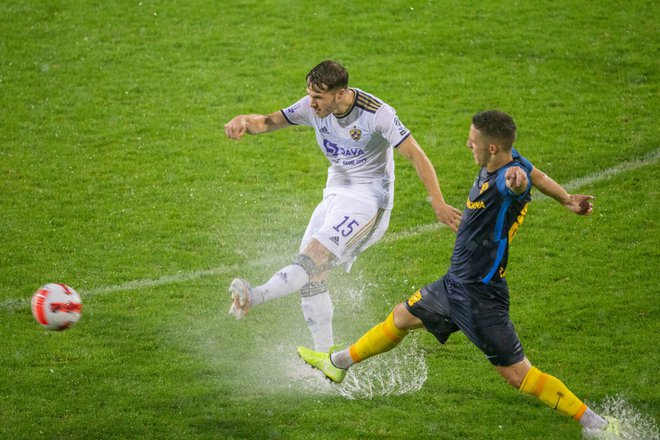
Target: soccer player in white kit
358,134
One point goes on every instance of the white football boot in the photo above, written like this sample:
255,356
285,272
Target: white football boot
241,296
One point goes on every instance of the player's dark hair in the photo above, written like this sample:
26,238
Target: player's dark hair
496,125
327,76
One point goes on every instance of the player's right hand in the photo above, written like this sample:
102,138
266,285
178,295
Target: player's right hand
448,215
236,128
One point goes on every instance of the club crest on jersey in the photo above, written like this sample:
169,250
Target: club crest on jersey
356,134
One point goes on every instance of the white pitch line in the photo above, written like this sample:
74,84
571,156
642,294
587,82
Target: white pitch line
647,159
11,305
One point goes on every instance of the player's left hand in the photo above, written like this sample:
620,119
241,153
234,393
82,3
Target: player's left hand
448,215
516,179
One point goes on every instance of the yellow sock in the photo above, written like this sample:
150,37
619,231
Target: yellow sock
381,338
553,393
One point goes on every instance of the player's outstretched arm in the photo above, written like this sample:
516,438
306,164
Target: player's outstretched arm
254,124
577,203
447,214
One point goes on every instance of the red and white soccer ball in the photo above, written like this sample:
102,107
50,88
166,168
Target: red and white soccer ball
56,306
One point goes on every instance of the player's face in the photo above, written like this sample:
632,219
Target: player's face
323,103
479,146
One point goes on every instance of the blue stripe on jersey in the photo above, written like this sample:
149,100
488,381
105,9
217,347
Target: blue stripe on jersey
523,160
501,236
501,242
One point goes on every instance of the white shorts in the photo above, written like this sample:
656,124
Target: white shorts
346,227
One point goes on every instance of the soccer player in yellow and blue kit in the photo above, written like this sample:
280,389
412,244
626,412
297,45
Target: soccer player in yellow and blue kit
473,296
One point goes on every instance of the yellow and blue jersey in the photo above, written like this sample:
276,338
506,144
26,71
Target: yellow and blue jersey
491,218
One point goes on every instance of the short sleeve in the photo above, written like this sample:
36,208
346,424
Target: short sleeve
390,127
526,164
299,113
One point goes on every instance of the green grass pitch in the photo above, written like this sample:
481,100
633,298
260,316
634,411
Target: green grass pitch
117,179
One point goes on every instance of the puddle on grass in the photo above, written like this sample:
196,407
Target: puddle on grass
400,371
634,424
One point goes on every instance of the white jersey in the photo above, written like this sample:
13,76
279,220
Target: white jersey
359,145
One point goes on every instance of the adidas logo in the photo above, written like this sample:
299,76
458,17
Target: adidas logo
335,240
324,130
283,276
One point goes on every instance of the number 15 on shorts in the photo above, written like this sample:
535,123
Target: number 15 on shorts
346,227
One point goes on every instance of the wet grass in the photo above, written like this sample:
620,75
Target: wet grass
117,179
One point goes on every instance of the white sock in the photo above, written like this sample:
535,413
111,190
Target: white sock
286,281
317,310
592,420
342,359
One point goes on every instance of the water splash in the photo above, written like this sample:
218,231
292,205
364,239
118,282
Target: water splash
393,374
397,372
634,424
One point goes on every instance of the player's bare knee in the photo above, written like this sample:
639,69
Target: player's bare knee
317,252
515,374
510,377
515,382
405,320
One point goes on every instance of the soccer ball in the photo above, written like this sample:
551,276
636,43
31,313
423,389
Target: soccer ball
56,306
